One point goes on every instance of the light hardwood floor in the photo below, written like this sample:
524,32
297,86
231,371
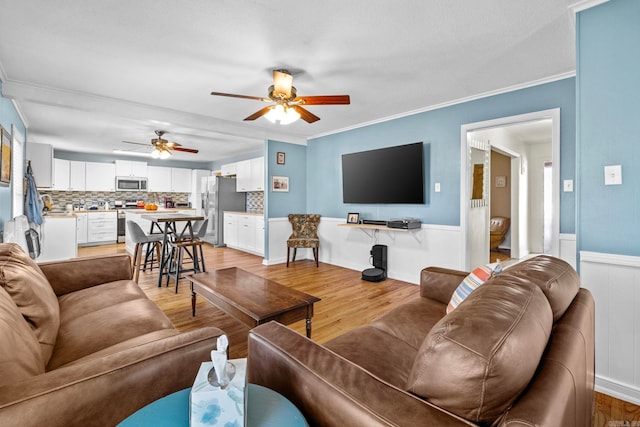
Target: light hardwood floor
347,302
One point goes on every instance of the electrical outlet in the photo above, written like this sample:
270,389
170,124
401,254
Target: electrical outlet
613,175
568,185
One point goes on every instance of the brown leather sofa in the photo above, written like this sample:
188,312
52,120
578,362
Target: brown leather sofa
81,344
518,351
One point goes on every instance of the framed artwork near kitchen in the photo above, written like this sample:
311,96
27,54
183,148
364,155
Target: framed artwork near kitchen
5,157
280,158
280,183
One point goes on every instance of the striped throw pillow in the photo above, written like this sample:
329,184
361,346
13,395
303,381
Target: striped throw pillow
476,278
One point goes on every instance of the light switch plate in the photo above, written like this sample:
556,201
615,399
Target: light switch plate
613,175
568,185
437,187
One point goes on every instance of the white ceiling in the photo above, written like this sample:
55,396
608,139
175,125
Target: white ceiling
88,74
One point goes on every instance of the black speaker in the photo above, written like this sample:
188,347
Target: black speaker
379,261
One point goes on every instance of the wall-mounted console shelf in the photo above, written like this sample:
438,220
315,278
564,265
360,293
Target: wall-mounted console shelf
371,230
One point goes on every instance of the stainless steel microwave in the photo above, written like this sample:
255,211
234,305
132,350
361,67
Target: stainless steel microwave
130,183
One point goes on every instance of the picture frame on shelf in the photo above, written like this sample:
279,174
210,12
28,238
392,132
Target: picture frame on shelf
5,157
280,183
353,218
280,157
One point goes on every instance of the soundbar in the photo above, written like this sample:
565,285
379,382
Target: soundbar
374,222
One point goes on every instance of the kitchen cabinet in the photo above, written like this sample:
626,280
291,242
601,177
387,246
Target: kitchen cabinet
41,158
158,179
81,228
244,232
68,175
230,229
131,168
100,176
228,170
250,175
58,238
163,179
102,227
180,180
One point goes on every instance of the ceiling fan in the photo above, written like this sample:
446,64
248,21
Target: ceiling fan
162,148
288,105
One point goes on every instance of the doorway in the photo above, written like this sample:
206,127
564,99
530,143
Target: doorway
535,211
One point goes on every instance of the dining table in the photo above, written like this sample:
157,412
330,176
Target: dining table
174,227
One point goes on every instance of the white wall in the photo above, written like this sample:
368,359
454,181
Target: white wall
408,252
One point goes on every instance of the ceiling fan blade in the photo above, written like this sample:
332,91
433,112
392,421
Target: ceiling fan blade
305,115
324,100
172,144
135,143
282,83
186,150
259,113
257,98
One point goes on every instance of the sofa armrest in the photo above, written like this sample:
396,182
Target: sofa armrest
106,390
330,390
439,283
79,273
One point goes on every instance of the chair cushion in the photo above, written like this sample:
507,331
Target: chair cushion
31,292
20,354
303,243
477,359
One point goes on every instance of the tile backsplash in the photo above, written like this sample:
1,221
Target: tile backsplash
255,201
89,198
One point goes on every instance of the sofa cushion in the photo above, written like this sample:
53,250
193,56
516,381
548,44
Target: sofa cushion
31,292
20,355
477,359
94,331
557,279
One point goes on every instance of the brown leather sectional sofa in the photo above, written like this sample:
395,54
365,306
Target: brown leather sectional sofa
81,344
519,351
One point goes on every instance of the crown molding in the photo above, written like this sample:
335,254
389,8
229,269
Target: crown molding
584,5
451,103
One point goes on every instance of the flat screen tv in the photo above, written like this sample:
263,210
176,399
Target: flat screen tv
386,175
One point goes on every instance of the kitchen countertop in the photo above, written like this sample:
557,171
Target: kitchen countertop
245,213
159,210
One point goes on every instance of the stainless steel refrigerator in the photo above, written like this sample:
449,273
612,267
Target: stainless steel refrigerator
219,195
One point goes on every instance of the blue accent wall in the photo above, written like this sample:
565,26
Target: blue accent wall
281,204
608,82
8,116
440,130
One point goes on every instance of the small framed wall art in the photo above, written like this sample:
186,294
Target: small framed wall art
353,218
280,183
5,157
501,181
280,157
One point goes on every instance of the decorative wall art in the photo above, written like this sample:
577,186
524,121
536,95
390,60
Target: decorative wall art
5,157
280,183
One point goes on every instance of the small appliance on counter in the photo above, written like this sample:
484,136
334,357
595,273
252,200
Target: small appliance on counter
168,202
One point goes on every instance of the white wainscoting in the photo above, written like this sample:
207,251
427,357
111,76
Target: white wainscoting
407,252
614,281
567,248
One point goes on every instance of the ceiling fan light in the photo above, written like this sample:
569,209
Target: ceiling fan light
289,117
155,153
164,154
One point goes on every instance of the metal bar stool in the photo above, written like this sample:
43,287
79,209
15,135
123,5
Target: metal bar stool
193,249
142,239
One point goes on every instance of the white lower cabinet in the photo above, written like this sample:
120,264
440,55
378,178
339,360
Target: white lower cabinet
102,227
244,232
81,228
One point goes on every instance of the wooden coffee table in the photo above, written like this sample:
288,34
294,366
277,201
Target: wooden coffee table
251,299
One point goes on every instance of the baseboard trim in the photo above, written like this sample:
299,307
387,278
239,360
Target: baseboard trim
618,390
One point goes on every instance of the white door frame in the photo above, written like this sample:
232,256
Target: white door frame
465,190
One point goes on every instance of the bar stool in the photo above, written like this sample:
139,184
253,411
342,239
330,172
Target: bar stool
142,239
193,248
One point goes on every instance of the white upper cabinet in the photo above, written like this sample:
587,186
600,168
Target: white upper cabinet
100,176
131,168
228,169
250,175
180,180
68,175
41,158
158,179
